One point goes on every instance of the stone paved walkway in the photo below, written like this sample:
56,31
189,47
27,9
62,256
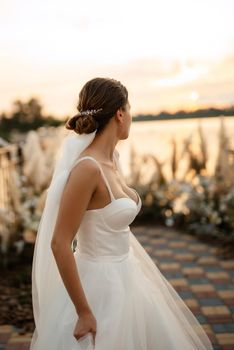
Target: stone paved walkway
205,282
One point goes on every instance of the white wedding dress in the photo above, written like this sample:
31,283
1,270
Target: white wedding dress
136,308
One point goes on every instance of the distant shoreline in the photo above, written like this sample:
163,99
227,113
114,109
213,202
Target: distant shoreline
144,119
200,113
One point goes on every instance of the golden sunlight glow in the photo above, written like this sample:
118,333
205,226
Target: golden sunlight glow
159,50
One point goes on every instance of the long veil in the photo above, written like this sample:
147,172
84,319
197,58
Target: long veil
46,279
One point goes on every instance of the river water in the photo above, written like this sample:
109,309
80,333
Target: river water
155,138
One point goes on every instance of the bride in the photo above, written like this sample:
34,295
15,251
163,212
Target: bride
93,284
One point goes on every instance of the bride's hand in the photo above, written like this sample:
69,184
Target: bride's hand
86,324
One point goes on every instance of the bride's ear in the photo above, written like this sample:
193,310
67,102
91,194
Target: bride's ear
119,116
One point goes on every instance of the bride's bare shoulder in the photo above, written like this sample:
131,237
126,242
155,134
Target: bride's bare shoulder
87,164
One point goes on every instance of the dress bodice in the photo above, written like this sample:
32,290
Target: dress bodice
105,231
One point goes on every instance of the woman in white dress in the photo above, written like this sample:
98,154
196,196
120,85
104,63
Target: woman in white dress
93,284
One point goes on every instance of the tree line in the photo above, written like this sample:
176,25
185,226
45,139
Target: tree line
29,115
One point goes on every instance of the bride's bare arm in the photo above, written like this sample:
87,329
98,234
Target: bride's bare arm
81,184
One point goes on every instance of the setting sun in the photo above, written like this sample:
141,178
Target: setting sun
194,95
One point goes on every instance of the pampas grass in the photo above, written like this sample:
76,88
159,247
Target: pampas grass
199,202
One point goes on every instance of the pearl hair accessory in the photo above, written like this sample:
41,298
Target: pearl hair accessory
90,111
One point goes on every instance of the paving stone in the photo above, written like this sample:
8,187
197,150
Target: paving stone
229,302
189,238
177,244
202,288
159,241
213,319
193,271
6,327
212,249
221,281
165,259
186,294
215,268
200,295
207,260
203,254
229,327
225,286
184,257
188,264
178,281
18,343
226,294
218,275
229,264
225,338
215,310
164,252
171,234
219,328
198,280
5,333
223,328
210,302
198,247
173,274
192,303
170,266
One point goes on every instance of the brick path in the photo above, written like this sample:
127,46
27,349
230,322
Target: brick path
205,282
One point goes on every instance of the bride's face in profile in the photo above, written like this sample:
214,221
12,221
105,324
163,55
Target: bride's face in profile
126,121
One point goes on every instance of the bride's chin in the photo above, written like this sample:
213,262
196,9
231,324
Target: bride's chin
124,135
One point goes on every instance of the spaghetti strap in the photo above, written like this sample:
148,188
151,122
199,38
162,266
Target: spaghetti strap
102,172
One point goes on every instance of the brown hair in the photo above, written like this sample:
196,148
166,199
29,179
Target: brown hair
105,95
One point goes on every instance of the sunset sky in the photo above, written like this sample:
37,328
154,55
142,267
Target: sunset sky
170,54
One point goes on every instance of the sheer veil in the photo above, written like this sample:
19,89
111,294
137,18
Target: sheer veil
46,280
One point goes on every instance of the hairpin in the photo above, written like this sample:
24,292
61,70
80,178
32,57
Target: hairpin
90,111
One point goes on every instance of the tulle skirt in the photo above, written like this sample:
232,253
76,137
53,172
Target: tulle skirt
132,311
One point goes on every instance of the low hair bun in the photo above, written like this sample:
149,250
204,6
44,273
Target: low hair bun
82,124
86,124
